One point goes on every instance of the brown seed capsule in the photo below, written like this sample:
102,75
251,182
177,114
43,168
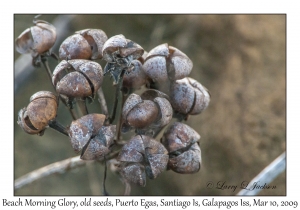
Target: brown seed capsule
142,156
77,78
89,135
150,110
188,96
162,101
118,47
165,62
181,142
136,77
85,44
41,109
142,115
119,53
36,39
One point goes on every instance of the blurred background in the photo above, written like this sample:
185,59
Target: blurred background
241,59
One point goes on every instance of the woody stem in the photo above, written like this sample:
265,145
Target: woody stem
118,89
58,127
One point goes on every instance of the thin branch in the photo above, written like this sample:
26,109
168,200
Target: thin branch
46,65
127,188
54,168
82,106
124,97
266,176
102,101
118,89
58,127
104,192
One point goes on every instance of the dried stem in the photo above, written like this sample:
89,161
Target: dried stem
118,89
46,65
121,117
54,168
127,188
58,127
53,55
59,167
104,178
102,101
82,106
266,176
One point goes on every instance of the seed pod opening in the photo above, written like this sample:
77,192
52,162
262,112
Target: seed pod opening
165,62
87,134
100,144
136,77
77,78
85,44
41,109
81,130
25,124
143,114
118,47
181,141
37,39
187,96
142,156
149,111
119,52
96,39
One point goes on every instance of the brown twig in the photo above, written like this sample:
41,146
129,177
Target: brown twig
102,101
81,102
118,89
58,127
124,97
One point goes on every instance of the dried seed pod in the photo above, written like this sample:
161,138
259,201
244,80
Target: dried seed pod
165,62
41,109
143,114
84,44
89,135
149,111
162,101
119,52
77,78
136,77
118,47
37,39
142,156
188,96
181,142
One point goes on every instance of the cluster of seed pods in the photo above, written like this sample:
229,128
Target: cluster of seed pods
78,76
